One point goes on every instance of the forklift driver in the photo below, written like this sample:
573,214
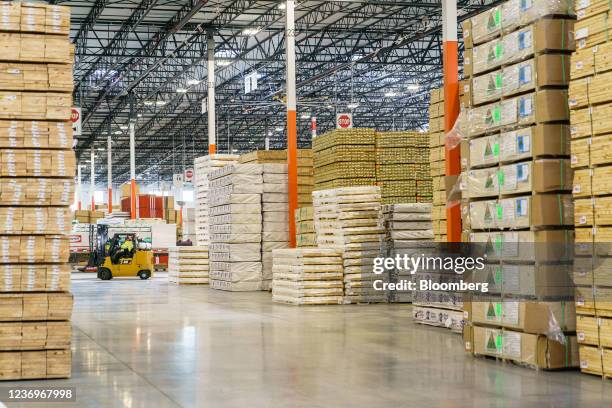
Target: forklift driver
126,249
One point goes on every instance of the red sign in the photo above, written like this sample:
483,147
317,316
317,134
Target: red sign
75,115
188,175
344,121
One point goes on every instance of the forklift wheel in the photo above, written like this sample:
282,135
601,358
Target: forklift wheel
144,274
105,274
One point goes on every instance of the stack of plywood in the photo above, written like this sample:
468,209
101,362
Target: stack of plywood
188,265
590,102
344,158
307,276
402,167
203,166
518,183
236,227
304,227
37,184
305,172
275,231
408,231
436,162
350,219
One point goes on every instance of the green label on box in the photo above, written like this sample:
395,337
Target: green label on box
497,114
498,17
498,242
500,211
500,177
499,342
496,149
498,275
498,81
499,50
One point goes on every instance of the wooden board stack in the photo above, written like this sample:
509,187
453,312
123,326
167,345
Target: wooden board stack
344,158
590,102
436,163
402,167
517,183
274,203
307,276
236,227
350,219
304,227
408,231
203,166
37,184
188,265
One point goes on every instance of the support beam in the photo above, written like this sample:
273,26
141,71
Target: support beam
212,130
109,170
92,179
291,119
79,193
451,109
132,170
313,127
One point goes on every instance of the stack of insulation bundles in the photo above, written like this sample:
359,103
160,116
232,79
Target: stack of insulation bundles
188,265
307,276
350,219
275,232
236,227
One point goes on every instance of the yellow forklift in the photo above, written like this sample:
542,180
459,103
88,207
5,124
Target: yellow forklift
115,258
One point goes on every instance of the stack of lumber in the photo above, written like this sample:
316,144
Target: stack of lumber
436,162
37,184
307,276
517,201
188,265
236,227
204,165
344,158
350,219
88,216
304,227
402,167
275,231
305,172
408,231
590,102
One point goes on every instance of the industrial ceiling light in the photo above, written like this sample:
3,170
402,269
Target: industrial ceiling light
139,115
193,82
118,132
305,116
100,149
353,105
279,129
160,103
223,62
282,5
390,94
413,87
181,90
124,127
149,103
251,30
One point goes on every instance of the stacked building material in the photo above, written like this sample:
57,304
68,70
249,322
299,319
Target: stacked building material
350,219
436,163
304,227
274,203
236,227
37,184
344,158
408,231
188,265
204,165
518,183
402,167
307,276
590,102
305,172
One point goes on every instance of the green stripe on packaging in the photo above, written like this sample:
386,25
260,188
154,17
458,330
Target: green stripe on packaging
560,209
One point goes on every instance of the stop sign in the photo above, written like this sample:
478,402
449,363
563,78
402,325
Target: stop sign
344,120
75,118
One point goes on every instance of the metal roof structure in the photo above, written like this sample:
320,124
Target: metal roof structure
146,60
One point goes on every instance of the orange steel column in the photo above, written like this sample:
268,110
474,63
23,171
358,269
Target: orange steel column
109,173
132,171
92,179
451,109
78,188
291,119
212,127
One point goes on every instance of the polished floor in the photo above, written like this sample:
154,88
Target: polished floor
147,344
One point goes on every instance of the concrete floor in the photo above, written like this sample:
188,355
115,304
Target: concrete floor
147,344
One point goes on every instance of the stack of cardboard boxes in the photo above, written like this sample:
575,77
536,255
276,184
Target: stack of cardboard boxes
590,102
436,163
235,212
402,167
37,183
517,182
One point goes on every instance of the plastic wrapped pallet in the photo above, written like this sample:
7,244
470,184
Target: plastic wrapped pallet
188,265
350,219
408,231
235,211
307,276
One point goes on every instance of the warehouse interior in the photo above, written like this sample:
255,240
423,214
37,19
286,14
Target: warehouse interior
207,202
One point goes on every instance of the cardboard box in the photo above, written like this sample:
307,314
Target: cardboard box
529,316
525,348
532,246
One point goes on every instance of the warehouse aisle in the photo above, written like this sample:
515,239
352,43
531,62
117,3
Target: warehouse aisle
145,344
